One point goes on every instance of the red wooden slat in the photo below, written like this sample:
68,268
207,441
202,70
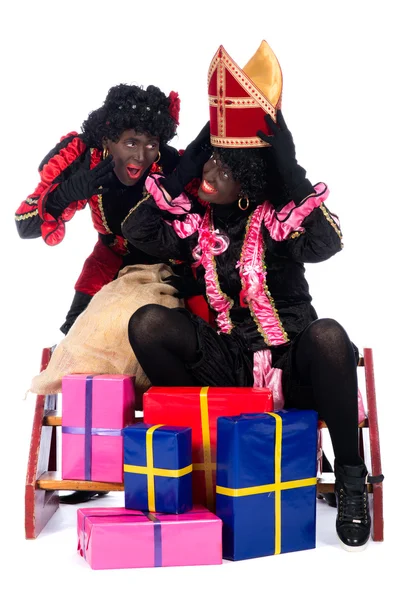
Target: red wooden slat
40,505
376,466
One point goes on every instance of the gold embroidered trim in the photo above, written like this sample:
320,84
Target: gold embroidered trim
234,142
32,201
103,218
212,68
330,220
26,215
260,329
246,236
100,203
246,83
270,298
232,102
296,234
221,104
146,197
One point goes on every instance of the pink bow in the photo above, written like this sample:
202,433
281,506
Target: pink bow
209,241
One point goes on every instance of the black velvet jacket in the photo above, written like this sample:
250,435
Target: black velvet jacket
149,229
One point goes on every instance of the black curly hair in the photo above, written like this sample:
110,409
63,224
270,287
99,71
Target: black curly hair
255,170
130,107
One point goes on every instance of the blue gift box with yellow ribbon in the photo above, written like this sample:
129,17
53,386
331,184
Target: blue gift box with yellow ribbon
158,468
266,482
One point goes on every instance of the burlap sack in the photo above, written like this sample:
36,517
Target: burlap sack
98,340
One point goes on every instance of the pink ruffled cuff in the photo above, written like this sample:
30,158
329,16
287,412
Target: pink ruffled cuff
186,227
179,206
282,224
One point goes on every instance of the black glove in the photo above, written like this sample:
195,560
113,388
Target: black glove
81,186
186,286
79,304
169,158
190,163
282,145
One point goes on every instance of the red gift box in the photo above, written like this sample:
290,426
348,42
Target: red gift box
199,409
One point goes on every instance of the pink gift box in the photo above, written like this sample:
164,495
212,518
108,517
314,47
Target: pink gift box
118,538
95,409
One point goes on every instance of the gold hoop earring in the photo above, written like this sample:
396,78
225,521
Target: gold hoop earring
158,158
240,203
105,153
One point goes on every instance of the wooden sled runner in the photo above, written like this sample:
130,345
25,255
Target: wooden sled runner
43,482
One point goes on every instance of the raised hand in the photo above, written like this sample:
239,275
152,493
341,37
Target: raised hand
199,150
87,182
81,186
281,142
190,163
283,148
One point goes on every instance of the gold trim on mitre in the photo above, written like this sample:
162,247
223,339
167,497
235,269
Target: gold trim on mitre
264,70
261,80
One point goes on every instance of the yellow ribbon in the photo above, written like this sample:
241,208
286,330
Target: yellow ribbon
151,471
207,465
276,487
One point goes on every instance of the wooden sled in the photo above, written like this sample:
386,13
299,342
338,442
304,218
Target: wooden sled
43,481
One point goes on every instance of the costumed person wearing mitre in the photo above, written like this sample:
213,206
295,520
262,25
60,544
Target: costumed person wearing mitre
256,221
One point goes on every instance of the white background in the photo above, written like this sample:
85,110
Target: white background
340,63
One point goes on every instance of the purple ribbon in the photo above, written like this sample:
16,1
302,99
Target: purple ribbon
157,538
88,426
150,516
93,431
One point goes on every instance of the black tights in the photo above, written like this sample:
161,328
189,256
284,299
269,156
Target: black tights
324,359
165,341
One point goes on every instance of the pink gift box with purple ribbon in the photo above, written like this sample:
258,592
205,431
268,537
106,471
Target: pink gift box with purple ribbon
95,409
118,538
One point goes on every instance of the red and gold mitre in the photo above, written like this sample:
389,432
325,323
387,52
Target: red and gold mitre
239,98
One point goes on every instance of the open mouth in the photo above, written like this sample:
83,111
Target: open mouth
133,171
207,187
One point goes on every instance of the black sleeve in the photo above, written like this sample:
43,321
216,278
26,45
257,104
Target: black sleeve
154,231
319,239
28,217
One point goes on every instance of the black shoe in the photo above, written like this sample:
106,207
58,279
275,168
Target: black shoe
353,522
81,496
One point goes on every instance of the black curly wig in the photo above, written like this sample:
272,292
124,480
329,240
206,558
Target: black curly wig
255,170
130,107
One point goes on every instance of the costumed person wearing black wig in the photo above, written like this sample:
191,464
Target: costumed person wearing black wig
105,167
256,221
